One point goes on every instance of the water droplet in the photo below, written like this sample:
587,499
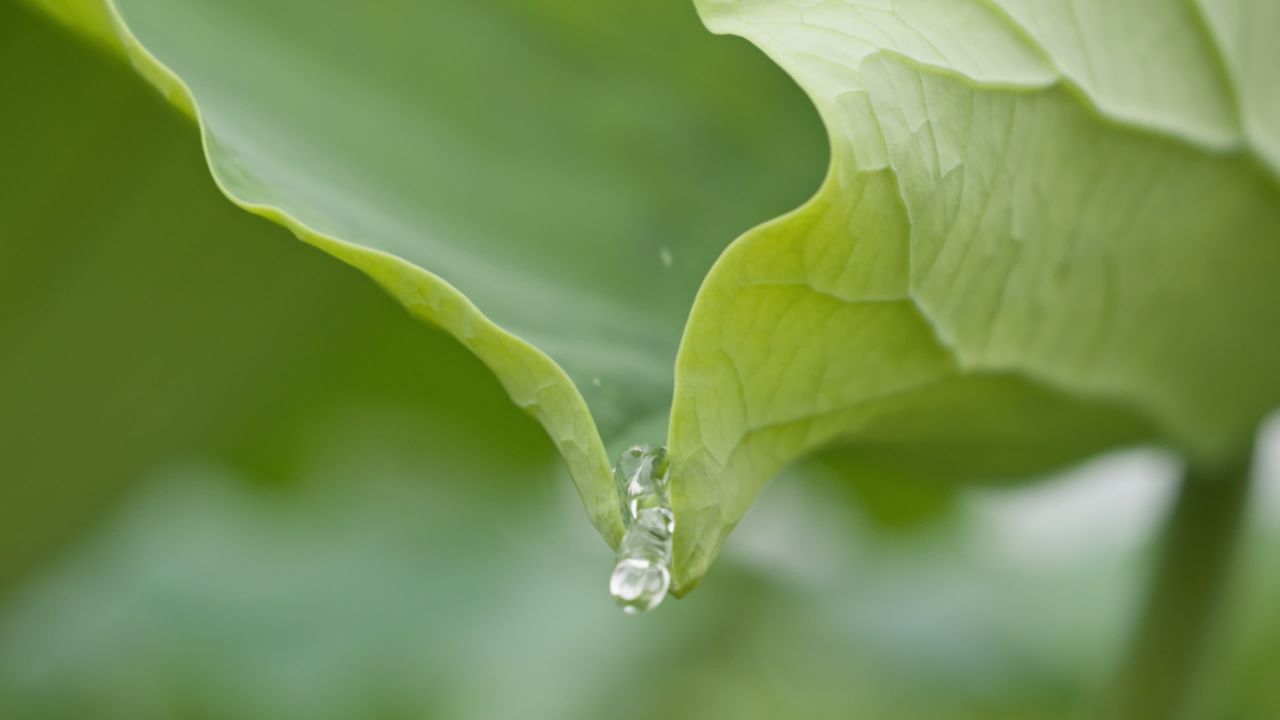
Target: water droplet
642,576
638,585
664,255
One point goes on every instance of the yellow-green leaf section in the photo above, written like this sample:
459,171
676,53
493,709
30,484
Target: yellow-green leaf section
1048,228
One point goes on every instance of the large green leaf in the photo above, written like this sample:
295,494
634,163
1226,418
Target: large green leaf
1047,228
323,529
328,533
534,177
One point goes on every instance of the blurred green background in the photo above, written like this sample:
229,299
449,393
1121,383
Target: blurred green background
237,481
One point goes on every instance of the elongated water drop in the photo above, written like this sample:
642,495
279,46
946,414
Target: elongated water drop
643,574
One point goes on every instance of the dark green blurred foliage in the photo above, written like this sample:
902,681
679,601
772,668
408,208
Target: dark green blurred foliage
142,317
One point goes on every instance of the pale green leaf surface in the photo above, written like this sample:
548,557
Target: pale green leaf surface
1244,33
1054,206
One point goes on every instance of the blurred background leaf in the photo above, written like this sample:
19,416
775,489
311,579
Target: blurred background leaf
142,317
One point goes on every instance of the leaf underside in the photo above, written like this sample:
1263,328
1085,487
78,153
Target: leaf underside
1055,222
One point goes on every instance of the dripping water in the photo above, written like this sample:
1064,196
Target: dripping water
642,576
